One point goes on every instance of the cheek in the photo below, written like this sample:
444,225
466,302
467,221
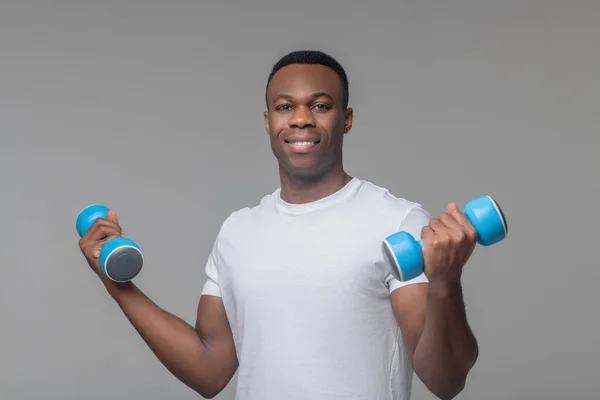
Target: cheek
276,125
333,124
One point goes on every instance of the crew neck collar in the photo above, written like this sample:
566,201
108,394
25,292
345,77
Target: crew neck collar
302,208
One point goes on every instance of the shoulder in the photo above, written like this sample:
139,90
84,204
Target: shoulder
246,217
385,200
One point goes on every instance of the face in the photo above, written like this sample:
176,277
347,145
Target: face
306,119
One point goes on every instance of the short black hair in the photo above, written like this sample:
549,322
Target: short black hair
312,57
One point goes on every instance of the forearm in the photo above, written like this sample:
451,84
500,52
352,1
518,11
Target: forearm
175,343
447,348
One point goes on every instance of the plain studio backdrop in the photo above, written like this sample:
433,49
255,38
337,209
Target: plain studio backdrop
155,109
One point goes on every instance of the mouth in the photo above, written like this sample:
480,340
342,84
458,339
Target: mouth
302,145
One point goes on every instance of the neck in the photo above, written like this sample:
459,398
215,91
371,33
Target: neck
298,190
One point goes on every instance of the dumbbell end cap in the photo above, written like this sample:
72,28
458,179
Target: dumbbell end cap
488,219
500,214
404,255
121,259
87,216
391,260
124,263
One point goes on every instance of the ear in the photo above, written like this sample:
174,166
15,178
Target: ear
348,117
266,118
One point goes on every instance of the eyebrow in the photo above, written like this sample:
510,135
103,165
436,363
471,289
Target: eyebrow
289,97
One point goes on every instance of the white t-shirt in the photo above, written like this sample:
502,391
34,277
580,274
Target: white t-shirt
306,290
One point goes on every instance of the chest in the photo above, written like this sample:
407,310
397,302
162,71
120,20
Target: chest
325,259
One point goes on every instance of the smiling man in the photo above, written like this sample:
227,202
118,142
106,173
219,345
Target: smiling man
299,298
307,116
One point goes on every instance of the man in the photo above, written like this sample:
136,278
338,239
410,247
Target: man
299,299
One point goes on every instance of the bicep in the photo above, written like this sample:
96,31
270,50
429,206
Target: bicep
212,324
409,299
409,305
214,330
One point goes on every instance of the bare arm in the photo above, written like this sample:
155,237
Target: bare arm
203,357
437,336
432,316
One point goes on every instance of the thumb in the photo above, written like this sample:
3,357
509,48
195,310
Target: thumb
452,207
111,215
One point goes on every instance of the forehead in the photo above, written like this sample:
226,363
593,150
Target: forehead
300,80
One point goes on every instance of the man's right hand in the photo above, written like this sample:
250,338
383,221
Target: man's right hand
202,356
101,231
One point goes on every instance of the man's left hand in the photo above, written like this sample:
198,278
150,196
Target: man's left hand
448,242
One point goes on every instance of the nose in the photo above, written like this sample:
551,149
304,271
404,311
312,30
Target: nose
302,118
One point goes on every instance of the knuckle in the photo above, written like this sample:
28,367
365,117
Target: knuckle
98,222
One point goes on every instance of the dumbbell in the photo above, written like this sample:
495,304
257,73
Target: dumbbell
405,254
121,259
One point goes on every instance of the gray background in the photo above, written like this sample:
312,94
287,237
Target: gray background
155,109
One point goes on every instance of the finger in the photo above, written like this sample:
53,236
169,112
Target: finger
462,219
451,207
426,231
441,235
453,226
102,229
92,250
111,215
437,226
458,216
427,234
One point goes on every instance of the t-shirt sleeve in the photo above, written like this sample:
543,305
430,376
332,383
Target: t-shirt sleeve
413,223
211,285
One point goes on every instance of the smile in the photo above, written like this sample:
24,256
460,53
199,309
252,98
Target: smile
304,145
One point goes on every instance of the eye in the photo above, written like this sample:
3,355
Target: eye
322,106
283,107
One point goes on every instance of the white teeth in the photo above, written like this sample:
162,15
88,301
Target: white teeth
302,143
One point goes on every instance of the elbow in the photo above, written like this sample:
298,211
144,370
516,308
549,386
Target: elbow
207,390
448,381
212,390
449,390
450,386
213,386
209,385
209,393
205,395
446,385
454,384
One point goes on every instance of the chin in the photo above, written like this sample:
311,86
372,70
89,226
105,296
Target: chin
305,173
305,168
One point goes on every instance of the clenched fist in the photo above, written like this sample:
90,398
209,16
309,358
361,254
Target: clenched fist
101,231
448,242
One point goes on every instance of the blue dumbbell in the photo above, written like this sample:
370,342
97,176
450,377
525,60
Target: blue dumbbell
120,258
405,254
